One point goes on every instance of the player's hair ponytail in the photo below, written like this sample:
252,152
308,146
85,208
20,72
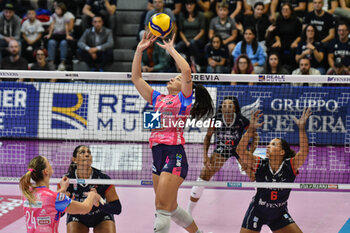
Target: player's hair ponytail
203,104
35,172
289,153
72,165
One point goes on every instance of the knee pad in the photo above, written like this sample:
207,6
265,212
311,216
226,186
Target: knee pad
162,222
181,217
197,191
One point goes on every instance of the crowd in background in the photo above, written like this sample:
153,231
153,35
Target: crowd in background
215,36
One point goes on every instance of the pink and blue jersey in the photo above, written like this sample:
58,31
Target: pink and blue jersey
43,216
174,109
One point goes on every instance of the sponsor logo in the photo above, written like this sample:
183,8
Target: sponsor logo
44,220
9,74
146,182
205,77
234,184
69,111
338,79
272,78
74,75
319,186
37,204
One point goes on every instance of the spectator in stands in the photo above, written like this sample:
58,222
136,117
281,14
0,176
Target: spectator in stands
311,48
250,46
10,27
328,6
298,6
284,36
41,63
249,6
32,32
340,46
174,5
96,45
322,20
191,31
60,31
105,8
273,65
158,8
306,69
344,10
243,65
217,55
155,59
224,26
339,68
235,9
258,20
14,61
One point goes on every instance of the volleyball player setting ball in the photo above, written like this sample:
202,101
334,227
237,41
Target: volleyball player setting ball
43,207
169,158
269,206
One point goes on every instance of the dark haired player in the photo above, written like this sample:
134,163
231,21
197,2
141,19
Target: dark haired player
226,139
100,218
269,205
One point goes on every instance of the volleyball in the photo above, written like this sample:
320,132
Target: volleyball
160,24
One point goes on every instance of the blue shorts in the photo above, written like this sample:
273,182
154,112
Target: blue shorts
256,217
169,158
90,220
226,151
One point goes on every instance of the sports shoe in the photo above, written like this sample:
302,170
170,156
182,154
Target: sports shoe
61,67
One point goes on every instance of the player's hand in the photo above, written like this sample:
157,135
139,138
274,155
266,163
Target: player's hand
167,44
301,122
64,183
254,120
147,39
206,162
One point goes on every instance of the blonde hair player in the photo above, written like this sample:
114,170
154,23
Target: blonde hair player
169,158
269,206
43,207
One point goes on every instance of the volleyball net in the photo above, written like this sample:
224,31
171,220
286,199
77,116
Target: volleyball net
105,112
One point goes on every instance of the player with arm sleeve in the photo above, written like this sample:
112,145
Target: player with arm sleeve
100,218
43,207
170,164
269,205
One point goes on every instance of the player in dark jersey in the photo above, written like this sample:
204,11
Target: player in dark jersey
269,205
226,139
100,218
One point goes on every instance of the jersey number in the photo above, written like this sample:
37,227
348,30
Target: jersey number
273,195
30,219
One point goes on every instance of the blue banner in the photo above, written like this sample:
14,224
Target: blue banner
328,124
19,109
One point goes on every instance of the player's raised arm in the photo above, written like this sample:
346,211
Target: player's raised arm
301,156
242,149
186,80
136,76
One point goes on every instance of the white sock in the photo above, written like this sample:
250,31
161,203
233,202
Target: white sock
196,192
190,206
